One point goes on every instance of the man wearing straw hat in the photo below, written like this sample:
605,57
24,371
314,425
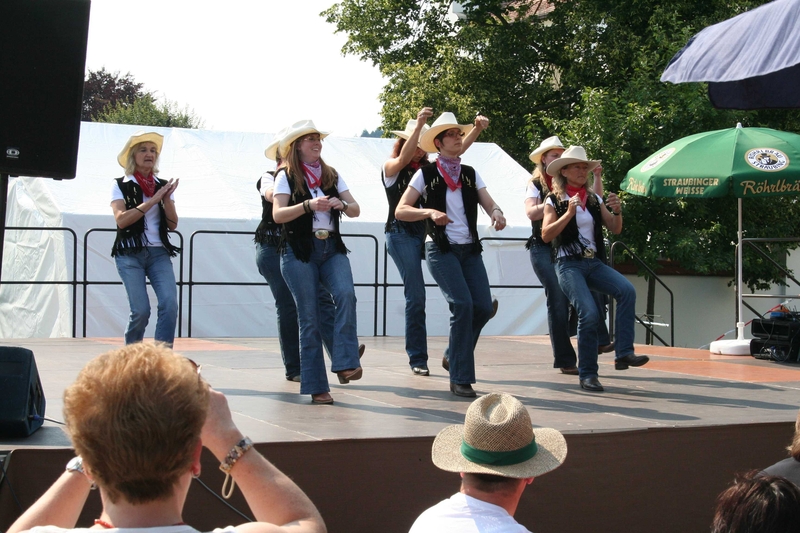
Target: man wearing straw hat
498,453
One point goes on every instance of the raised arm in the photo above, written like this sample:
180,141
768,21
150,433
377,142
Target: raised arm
481,123
396,164
611,211
276,501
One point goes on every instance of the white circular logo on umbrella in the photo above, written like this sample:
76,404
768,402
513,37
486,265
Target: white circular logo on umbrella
658,159
767,159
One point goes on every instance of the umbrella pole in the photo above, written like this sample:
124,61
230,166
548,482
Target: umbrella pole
739,346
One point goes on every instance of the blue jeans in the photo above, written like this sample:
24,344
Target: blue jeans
578,278
268,261
406,250
153,263
462,278
330,268
557,307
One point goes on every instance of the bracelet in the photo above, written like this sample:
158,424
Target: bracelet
226,465
307,206
345,205
497,209
137,208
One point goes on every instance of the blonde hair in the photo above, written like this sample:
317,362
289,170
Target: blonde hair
560,185
135,415
794,448
130,162
294,168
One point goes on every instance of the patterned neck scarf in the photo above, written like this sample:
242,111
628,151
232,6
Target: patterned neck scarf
313,172
450,167
147,184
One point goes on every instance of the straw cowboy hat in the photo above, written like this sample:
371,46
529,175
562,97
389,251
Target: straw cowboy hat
548,144
297,130
446,121
573,154
271,152
497,438
410,126
136,138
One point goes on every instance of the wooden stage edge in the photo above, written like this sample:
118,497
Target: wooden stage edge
651,453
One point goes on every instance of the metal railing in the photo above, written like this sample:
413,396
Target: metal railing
74,281
650,298
752,243
192,283
86,281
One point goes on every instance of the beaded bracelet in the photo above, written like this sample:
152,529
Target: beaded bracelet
234,455
137,208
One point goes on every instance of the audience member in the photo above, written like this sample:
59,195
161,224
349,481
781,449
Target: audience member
758,504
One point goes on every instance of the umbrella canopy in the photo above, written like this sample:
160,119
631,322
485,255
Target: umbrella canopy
743,162
751,61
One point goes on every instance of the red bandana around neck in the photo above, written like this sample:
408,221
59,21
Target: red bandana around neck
580,191
147,184
453,165
313,172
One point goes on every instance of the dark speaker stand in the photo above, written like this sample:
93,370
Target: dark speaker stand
3,202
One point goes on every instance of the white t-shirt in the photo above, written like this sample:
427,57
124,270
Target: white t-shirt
161,529
533,192
585,224
457,231
322,220
152,217
267,183
465,514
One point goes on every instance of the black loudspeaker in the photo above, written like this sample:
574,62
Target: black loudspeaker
22,400
42,61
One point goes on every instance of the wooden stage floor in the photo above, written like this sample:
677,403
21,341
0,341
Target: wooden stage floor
677,388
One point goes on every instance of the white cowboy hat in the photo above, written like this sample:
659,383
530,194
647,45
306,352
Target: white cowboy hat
573,154
497,438
410,126
136,138
548,144
446,121
297,130
271,152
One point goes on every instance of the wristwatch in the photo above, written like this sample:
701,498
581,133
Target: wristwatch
345,205
75,465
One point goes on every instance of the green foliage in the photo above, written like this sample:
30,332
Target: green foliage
375,133
146,111
102,89
589,72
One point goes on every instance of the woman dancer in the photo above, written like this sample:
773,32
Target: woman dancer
309,199
405,240
144,210
573,221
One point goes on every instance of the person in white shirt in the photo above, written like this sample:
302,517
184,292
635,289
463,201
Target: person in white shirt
498,454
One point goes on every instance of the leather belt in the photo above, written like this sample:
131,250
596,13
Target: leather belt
588,253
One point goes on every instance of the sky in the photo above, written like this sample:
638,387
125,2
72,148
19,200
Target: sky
240,65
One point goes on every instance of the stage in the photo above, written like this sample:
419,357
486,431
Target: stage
648,454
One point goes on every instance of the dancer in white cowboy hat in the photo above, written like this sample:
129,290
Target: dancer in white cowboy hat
573,221
449,194
309,199
268,261
558,323
405,241
498,454
144,211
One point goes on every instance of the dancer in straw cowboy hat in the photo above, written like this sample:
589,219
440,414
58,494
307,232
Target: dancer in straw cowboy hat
449,194
558,322
309,199
144,211
573,221
498,453
405,241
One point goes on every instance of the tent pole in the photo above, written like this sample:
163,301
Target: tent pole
740,321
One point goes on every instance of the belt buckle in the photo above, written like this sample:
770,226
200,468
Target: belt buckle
322,234
588,253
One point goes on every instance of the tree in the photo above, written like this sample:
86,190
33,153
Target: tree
587,70
375,133
148,112
102,89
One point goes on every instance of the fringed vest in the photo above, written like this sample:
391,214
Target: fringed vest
132,239
268,231
393,195
569,239
436,198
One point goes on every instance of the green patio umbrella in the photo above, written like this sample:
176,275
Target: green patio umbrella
741,162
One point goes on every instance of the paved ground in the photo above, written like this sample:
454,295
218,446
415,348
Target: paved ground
678,388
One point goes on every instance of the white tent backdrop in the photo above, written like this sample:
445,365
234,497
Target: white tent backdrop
218,172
